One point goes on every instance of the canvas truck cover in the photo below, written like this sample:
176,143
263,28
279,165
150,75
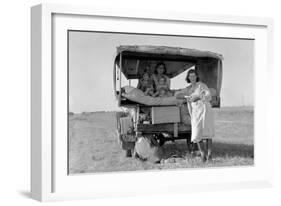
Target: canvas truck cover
134,60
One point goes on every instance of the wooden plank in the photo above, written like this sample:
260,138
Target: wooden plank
158,128
170,114
176,130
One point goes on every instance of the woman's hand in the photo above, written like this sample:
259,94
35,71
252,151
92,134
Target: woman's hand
188,98
180,96
192,98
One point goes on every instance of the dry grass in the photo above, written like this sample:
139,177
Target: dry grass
93,145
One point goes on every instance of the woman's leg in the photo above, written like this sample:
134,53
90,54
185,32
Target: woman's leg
209,149
202,150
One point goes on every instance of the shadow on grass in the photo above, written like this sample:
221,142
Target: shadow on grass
220,149
233,150
25,193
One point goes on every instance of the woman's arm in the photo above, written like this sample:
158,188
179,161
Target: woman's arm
168,82
139,84
181,94
156,94
205,93
155,81
194,98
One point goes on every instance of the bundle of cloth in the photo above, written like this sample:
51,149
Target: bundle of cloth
137,95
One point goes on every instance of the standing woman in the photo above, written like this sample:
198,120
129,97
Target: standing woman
198,98
159,72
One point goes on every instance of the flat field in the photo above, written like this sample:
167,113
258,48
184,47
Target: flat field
94,147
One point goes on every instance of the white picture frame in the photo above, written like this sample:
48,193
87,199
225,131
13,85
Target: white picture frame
49,179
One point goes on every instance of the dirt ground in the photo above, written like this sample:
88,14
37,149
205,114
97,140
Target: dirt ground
94,147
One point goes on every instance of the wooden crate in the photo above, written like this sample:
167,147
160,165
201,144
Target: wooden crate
169,114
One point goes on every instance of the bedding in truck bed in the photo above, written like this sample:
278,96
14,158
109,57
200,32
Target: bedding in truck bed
136,95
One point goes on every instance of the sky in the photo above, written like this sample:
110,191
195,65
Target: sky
91,60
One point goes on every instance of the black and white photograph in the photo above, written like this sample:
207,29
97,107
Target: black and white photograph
158,102
140,102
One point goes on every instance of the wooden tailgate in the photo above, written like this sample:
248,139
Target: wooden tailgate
169,114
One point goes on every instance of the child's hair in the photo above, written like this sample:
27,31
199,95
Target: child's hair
146,73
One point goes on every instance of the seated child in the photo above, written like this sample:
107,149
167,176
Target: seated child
146,84
162,90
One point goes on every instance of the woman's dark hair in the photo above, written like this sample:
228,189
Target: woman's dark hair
158,65
190,72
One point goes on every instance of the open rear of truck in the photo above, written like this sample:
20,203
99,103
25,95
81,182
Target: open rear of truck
167,118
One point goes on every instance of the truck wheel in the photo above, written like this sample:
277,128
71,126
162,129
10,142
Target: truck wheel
188,143
188,147
128,153
187,136
160,139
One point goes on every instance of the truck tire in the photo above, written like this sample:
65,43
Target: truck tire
128,153
161,139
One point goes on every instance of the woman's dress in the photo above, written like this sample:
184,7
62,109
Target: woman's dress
201,114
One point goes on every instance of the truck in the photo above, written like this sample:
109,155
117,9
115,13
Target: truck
161,119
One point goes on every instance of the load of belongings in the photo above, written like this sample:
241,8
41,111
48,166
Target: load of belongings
147,148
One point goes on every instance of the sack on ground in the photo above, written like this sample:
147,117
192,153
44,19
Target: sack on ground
148,149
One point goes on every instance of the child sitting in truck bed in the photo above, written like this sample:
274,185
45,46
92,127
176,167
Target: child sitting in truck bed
146,84
162,89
